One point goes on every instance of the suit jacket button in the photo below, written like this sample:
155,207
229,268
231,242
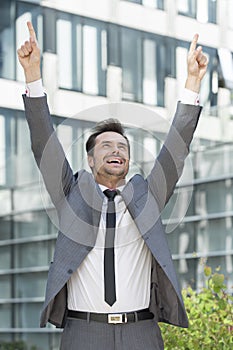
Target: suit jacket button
70,271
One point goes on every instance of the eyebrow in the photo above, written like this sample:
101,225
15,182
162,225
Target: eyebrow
123,143
119,143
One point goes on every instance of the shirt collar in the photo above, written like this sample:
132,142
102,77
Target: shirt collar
103,188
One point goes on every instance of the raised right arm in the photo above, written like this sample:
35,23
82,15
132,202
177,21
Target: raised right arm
48,152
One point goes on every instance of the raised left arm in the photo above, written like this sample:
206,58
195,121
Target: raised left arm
169,164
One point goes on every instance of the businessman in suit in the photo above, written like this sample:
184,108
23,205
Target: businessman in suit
112,278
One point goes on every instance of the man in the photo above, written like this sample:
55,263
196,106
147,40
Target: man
112,278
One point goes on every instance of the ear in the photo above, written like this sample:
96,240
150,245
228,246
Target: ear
90,161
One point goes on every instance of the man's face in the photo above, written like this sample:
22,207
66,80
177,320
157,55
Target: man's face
110,159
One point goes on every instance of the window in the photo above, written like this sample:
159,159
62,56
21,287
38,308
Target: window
154,4
181,62
131,62
149,72
212,11
187,8
214,197
144,66
64,50
206,11
90,60
7,62
135,1
203,10
159,4
16,166
31,254
2,151
83,67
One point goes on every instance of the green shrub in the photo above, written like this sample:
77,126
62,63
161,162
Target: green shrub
210,315
16,345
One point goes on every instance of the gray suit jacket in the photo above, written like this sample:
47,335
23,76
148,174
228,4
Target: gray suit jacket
78,201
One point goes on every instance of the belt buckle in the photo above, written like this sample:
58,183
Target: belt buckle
117,318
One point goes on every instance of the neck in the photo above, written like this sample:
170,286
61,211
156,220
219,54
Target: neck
110,183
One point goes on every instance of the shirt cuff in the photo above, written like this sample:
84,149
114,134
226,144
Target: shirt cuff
35,89
190,97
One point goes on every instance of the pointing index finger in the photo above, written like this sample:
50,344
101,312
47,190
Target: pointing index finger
31,31
194,43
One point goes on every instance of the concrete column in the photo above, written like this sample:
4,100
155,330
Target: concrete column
222,11
171,8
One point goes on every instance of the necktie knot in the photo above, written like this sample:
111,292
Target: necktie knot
110,194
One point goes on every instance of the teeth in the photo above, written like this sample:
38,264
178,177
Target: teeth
118,161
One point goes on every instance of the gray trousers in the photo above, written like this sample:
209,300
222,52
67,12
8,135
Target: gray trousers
84,335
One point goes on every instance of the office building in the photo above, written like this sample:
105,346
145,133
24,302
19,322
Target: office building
126,59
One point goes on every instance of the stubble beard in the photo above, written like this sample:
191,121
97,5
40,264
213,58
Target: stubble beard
118,174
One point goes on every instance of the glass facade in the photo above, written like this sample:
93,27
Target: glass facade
198,222
146,59
198,219
206,230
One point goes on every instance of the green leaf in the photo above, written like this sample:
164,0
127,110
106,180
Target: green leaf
207,271
218,279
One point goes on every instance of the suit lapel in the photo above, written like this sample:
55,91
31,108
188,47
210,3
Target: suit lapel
92,197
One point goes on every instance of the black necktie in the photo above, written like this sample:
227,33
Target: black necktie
109,268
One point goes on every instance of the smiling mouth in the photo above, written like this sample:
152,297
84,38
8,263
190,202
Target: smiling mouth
115,161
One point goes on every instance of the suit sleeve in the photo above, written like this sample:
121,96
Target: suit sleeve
169,164
47,150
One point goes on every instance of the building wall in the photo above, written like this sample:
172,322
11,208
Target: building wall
125,58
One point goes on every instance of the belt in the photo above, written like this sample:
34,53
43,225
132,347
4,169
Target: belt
113,318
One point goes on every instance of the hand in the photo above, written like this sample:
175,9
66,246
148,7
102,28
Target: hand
29,56
197,63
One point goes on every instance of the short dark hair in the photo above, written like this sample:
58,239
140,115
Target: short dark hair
109,124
